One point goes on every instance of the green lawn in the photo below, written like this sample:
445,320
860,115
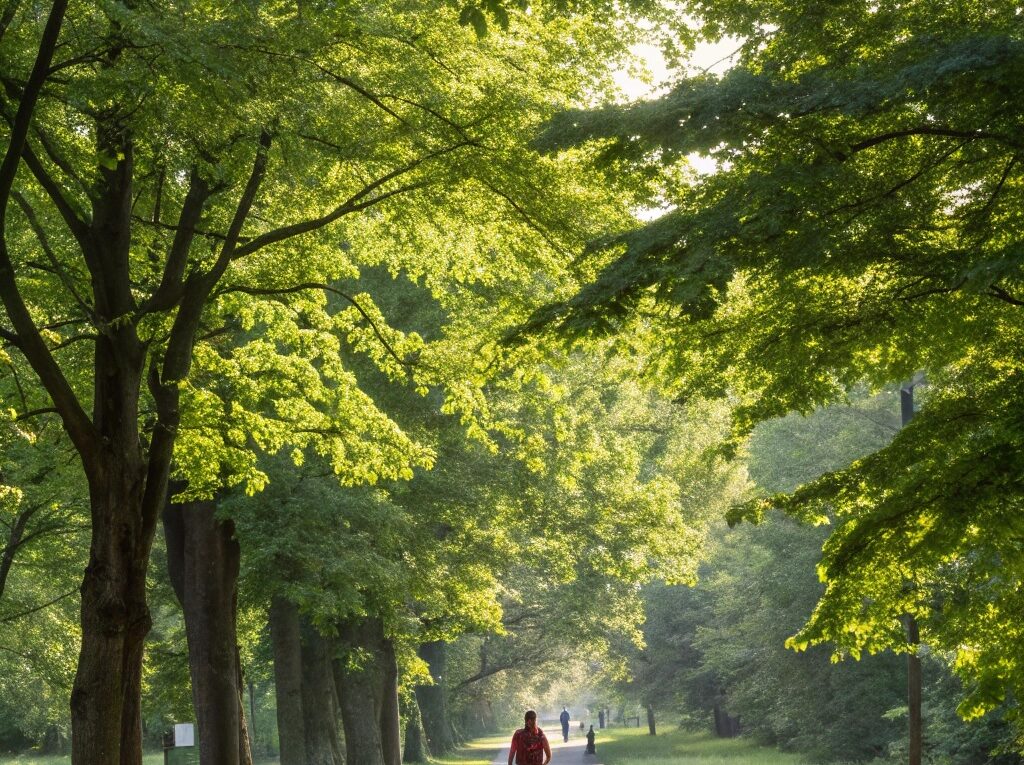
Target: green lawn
634,746
480,751
149,759
476,752
29,759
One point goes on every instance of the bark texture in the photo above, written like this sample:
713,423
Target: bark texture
286,638
105,698
432,700
390,718
203,562
415,739
319,700
361,678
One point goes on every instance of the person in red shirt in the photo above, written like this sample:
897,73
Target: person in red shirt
529,744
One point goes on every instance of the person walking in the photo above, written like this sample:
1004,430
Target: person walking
529,744
564,719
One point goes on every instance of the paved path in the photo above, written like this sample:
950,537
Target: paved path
561,753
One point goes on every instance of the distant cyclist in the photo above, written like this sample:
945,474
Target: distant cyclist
529,744
564,719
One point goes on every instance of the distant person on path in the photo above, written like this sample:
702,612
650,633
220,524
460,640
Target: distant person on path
591,749
529,744
564,719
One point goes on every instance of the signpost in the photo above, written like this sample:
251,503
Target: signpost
180,745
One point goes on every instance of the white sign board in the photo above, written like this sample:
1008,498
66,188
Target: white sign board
184,734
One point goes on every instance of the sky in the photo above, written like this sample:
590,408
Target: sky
710,56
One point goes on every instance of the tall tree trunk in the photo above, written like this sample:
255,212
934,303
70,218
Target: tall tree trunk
105,699
286,638
203,561
390,718
432,700
361,689
245,739
415,740
726,726
915,725
319,703
914,684
650,720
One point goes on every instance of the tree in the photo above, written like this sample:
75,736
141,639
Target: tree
723,643
615,487
172,173
864,224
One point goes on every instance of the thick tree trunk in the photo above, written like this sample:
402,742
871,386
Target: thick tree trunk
432,700
203,562
105,699
390,718
319,703
285,636
415,740
650,720
361,689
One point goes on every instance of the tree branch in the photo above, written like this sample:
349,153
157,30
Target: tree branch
10,9
937,130
30,611
169,291
58,160
325,288
525,216
996,291
77,225
34,224
177,359
353,204
35,413
30,341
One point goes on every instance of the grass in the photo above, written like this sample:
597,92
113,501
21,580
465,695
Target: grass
633,746
35,759
480,751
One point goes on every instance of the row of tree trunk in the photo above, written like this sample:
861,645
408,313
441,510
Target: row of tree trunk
351,677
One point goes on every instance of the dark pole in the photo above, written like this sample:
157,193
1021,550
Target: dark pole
913,636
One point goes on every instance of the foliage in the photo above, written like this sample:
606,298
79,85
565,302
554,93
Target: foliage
42,551
723,643
613,486
184,188
864,224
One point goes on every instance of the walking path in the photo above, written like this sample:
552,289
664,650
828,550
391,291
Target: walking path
561,753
